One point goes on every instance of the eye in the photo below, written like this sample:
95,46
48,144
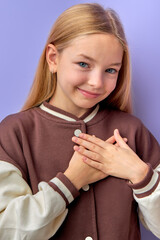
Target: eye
111,70
83,64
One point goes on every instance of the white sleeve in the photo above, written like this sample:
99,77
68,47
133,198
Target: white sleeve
147,195
27,216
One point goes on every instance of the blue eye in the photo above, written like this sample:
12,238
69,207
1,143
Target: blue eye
111,70
83,64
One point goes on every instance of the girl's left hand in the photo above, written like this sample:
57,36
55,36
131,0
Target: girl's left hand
117,160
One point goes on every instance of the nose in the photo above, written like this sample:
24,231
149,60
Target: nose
96,80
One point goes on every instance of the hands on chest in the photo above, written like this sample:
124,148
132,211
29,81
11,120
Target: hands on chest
95,159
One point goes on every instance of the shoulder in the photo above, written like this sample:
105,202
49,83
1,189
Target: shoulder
128,124
124,119
17,121
14,131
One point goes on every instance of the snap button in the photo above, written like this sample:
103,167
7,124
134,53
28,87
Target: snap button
77,132
85,188
88,238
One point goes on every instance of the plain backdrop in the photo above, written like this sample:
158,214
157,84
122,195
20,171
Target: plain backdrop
24,27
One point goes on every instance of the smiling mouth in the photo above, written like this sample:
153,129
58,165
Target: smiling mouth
88,94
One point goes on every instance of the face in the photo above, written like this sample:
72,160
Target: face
87,72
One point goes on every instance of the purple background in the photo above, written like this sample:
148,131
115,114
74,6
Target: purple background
24,27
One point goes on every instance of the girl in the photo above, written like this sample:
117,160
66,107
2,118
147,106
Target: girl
82,89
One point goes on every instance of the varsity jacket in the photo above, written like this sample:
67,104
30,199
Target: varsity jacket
38,202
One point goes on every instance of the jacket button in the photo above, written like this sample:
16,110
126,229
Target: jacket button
88,238
77,132
85,188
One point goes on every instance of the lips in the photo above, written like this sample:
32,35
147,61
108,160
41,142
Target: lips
88,94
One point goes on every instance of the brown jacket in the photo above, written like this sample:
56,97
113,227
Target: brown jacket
38,143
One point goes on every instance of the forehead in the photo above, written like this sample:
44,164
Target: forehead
101,46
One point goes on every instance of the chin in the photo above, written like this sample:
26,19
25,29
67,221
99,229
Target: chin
87,106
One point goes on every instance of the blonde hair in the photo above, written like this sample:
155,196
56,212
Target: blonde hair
82,19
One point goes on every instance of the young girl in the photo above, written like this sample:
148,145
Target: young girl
75,164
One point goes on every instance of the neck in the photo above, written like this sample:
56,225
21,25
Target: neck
76,111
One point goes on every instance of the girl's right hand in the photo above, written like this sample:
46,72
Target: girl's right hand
80,173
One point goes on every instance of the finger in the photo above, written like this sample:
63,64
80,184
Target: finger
86,153
111,140
93,164
86,144
120,141
92,139
125,139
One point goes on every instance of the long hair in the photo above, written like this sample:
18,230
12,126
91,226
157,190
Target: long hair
79,20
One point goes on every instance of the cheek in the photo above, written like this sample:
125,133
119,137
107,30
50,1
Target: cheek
114,85
78,78
110,85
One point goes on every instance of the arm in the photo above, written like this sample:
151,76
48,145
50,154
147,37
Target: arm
39,216
121,161
147,195
23,215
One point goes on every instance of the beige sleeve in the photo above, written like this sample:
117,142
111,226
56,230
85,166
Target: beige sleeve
148,199
27,216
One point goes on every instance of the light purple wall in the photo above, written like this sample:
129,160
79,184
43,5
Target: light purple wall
24,27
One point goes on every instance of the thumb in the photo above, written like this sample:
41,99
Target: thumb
120,140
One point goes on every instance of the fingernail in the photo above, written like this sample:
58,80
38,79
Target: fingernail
74,139
76,148
81,135
116,130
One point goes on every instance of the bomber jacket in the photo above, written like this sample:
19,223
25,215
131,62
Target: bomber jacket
38,202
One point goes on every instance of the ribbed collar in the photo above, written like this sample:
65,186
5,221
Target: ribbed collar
59,113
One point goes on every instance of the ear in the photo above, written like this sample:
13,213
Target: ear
52,57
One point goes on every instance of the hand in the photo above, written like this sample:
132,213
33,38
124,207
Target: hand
80,173
116,160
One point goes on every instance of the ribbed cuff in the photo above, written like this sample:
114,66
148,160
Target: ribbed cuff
64,187
147,185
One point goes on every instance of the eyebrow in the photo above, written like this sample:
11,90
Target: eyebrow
87,57
93,60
